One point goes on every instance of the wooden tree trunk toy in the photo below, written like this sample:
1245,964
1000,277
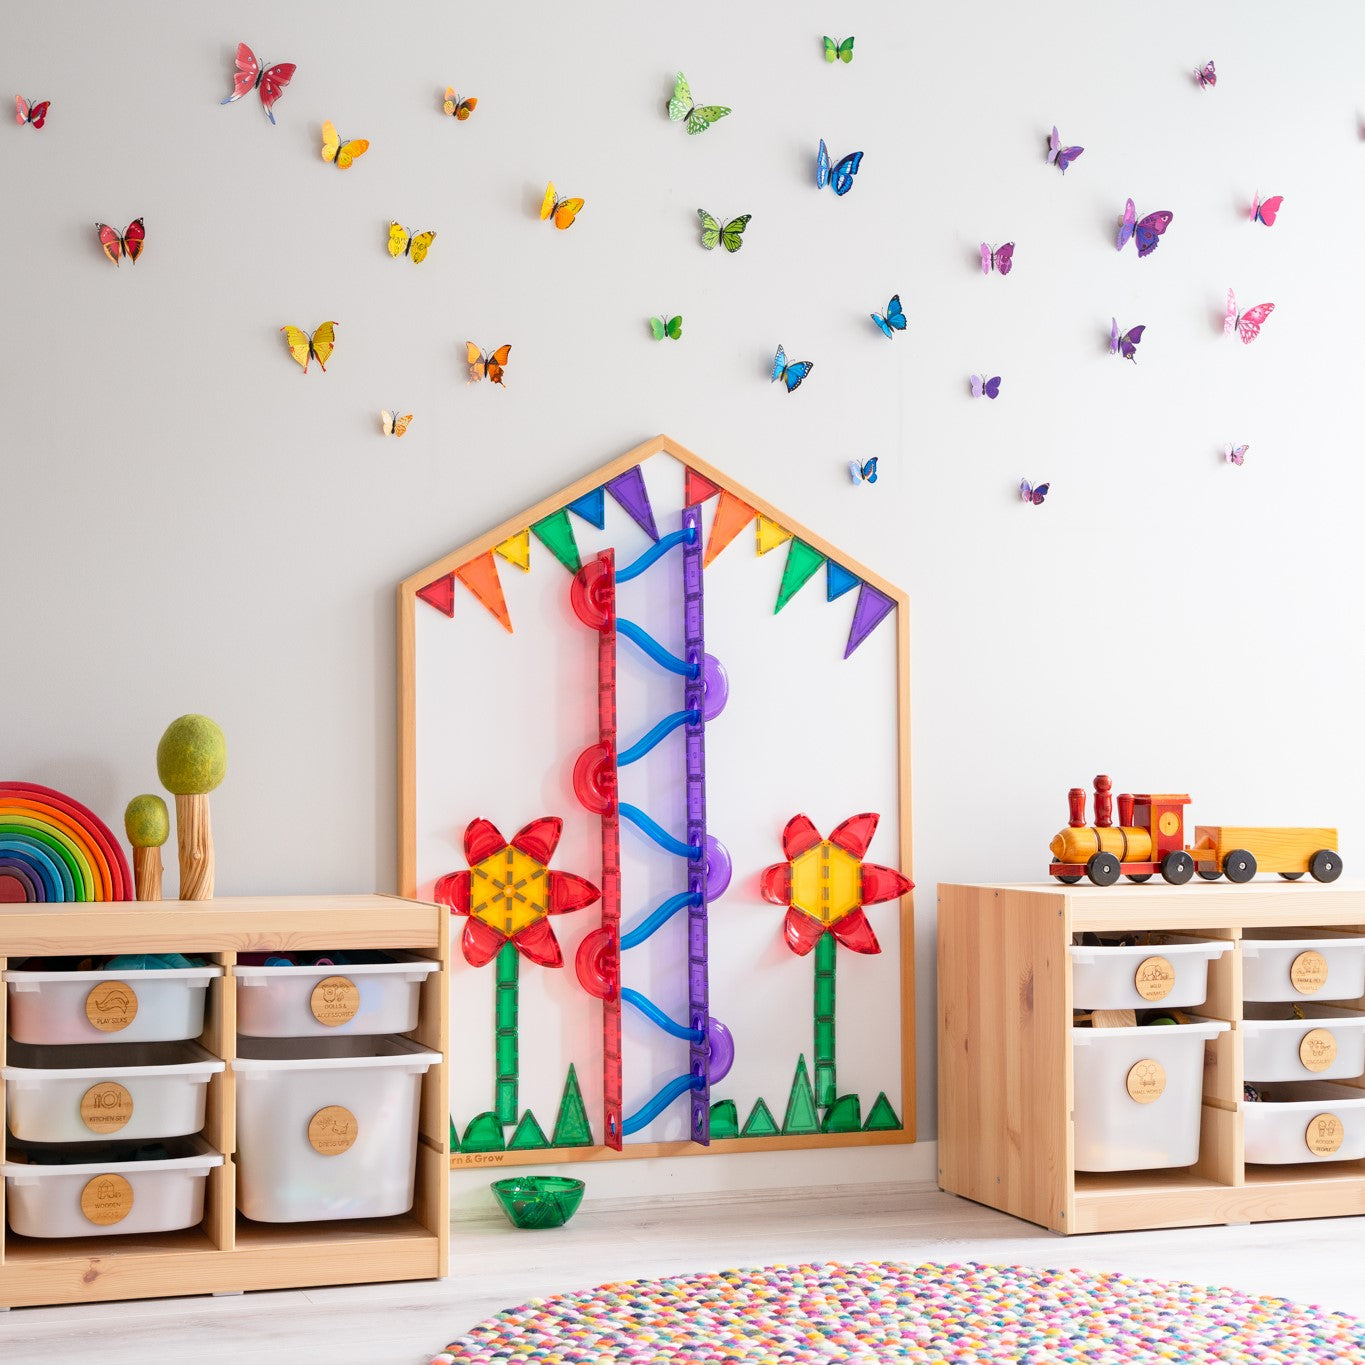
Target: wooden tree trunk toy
194,835
191,761
148,827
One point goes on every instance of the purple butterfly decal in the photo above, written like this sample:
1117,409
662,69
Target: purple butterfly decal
1060,156
1127,344
1147,230
1235,454
1031,494
1206,75
985,388
999,258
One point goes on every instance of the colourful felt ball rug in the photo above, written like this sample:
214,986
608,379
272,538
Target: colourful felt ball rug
871,1312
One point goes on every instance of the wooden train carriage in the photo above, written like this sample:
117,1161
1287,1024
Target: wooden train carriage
1239,852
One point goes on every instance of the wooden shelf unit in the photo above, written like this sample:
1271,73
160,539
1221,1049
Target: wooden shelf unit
226,1253
1005,1080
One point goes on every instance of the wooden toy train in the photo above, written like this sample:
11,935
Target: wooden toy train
1150,838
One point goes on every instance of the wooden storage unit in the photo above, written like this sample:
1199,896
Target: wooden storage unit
227,1253
1005,1135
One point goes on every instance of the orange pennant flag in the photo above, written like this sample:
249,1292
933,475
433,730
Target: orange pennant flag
731,517
480,576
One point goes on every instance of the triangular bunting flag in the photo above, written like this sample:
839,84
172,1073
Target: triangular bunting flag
871,610
760,1122
480,576
440,594
555,533
696,489
769,535
731,517
592,507
516,550
838,580
629,490
802,563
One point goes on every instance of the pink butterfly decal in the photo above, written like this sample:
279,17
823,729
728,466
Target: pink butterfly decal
1235,454
1248,324
251,75
1060,156
1031,494
999,258
1147,230
35,113
1264,210
1124,345
1206,75
985,388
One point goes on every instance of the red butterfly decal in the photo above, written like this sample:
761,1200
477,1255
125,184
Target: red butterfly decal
36,114
1247,325
250,75
129,243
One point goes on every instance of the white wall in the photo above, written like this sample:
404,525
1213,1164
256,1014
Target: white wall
187,523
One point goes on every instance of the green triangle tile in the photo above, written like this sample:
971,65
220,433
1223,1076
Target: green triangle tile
555,533
572,1128
845,1115
529,1134
454,1137
724,1119
801,1116
800,568
760,1122
484,1134
881,1117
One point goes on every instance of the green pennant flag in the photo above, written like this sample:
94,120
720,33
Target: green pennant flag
800,568
555,533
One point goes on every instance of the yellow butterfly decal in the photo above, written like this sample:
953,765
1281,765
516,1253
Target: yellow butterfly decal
490,365
318,347
343,153
416,244
564,210
394,425
456,107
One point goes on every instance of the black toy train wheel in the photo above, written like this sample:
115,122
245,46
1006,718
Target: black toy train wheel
1138,877
1291,876
1069,881
1103,869
1209,875
1239,866
1325,865
1177,867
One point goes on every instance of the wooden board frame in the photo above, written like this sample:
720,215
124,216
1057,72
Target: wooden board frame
407,794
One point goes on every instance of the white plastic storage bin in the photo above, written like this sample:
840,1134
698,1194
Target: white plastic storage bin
79,1094
1306,1121
318,1002
1325,1044
100,1198
144,1006
327,1129
1306,967
1173,975
1138,1095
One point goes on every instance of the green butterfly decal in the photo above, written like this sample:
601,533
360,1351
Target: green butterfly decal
729,236
666,327
838,51
699,119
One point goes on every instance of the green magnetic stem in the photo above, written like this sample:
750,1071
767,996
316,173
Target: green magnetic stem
506,1049
826,958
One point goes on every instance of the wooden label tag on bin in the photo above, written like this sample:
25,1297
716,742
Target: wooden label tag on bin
106,1107
332,1130
106,1200
334,1001
1146,1080
111,1006
1318,1049
1154,978
1325,1135
1308,972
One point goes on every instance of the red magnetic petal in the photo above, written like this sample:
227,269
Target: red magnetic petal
854,835
854,932
540,838
775,885
480,943
802,932
883,884
452,891
538,942
481,840
799,836
568,892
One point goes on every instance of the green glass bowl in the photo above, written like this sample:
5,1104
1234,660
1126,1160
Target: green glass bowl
539,1201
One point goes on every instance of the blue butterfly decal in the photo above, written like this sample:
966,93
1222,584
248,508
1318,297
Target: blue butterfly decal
840,174
863,473
791,374
894,320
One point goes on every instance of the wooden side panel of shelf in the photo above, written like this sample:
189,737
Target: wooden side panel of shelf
432,1192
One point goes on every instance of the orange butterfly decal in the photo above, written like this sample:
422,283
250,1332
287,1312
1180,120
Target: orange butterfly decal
457,107
393,424
128,243
490,365
564,210
339,152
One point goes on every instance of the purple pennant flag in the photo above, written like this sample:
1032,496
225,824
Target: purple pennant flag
629,490
871,610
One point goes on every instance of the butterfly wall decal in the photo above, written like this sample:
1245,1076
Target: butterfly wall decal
985,388
1124,345
129,242
1146,231
456,107
1031,494
393,424
1235,454
730,236
1000,258
838,52
863,473
251,75
481,365
893,319
791,373
698,117
340,153
1247,325
563,210
666,326
317,347
838,174
35,113
412,244
1265,210
1206,75
1060,156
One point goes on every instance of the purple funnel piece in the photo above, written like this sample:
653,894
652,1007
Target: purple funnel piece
871,610
629,490
715,686
722,1047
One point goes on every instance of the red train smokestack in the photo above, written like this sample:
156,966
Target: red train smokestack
1075,799
1126,809
1104,802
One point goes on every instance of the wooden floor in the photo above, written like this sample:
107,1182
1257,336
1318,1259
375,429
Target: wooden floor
494,1266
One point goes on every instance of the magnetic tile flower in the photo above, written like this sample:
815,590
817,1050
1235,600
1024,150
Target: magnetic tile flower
509,891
